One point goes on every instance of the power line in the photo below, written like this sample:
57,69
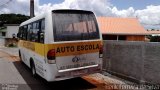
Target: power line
3,5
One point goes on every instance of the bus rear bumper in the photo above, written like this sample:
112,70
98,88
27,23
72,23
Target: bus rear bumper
68,74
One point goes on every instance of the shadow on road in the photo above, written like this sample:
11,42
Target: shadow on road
39,83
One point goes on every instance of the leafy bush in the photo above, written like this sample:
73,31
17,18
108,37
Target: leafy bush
155,39
12,45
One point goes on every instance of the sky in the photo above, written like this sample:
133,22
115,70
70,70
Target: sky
147,11
121,4
137,4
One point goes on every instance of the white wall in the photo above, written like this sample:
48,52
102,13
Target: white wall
11,30
1,41
155,34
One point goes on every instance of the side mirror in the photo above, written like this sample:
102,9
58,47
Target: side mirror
17,35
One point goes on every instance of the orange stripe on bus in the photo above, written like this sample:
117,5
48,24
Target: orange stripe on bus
64,49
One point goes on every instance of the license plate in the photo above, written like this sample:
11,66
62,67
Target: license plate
79,72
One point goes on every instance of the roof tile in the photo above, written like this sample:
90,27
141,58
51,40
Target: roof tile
125,26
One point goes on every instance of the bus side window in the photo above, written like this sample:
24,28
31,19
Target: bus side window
19,35
24,32
29,30
41,33
21,32
35,31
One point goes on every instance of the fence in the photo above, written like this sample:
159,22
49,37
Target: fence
139,61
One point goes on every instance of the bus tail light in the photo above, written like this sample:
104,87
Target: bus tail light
51,55
101,51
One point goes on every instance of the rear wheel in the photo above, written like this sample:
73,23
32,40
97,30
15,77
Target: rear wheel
33,69
20,57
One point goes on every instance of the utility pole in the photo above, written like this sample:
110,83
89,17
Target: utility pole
31,8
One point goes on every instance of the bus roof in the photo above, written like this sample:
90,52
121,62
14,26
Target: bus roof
49,12
33,19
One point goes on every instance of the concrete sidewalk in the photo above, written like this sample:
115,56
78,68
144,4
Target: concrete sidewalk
12,51
10,77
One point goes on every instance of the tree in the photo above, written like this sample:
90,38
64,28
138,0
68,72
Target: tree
12,19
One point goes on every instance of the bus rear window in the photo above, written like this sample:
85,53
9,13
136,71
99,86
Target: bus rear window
72,26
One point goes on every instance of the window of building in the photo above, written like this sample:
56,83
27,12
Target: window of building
114,37
109,37
3,33
122,37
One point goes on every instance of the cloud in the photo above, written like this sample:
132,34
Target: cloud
148,16
100,7
17,6
123,13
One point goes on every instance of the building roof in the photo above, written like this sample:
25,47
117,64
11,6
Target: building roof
11,24
120,26
154,31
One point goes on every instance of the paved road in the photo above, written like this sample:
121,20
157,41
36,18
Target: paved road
14,72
